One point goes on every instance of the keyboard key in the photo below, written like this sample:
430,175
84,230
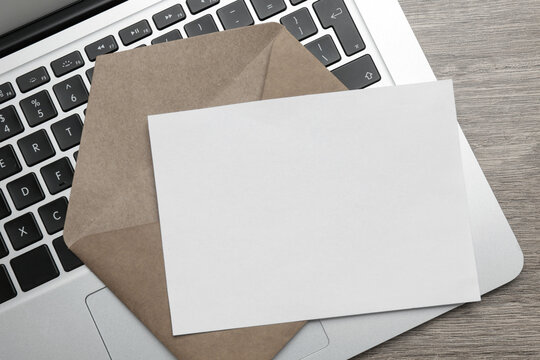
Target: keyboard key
7,291
325,50
90,74
71,93
296,2
23,231
358,73
169,16
36,147
9,165
6,92
106,45
68,259
334,13
58,175
38,108
10,124
33,79
4,207
34,268
268,8
170,36
25,191
235,15
3,249
300,24
68,132
67,63
201,26
75,155
196,6
135,32
53,215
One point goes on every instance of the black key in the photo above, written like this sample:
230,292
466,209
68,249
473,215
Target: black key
38,108
67,63
10,124
68,259
3,249
300,24
268,8
23,231
36,147
4,207
196,6
53,215
6,92
170,36
33,79
34,268
106,45
235,15
9,164
68,132
25,191
169,16
75,155
71,93
90,74
7,291
135,32
58,175
358,73
201,26
296,2
334,13
325,50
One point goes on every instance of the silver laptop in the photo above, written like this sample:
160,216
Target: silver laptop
51,305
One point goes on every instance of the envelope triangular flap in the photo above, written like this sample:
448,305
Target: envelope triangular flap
113,186
112,221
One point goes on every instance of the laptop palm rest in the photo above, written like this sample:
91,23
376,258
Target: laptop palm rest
125,337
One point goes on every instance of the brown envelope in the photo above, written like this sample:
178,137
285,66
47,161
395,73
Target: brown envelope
112,221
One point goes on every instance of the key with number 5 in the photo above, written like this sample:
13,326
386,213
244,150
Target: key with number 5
38,108
71,93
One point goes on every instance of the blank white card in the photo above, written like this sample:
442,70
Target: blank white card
313,207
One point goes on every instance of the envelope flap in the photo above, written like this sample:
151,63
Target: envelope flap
139,282
113,186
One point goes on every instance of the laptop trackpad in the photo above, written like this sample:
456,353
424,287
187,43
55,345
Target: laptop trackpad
125,337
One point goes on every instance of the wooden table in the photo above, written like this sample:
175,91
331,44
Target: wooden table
491,49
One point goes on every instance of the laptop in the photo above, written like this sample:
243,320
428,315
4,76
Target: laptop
51,305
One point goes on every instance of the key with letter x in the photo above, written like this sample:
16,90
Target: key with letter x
23,231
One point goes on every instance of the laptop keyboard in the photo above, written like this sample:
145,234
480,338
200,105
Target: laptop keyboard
37,165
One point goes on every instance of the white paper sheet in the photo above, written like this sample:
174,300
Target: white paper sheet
312,207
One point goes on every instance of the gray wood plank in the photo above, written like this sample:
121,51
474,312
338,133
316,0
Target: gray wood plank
491,49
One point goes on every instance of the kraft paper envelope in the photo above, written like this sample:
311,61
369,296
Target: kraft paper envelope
112,221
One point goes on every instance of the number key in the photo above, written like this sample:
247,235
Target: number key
38,108
71,93
10,124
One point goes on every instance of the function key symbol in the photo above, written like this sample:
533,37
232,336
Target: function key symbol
369,75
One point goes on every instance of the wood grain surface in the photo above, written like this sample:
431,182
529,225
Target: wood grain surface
491,49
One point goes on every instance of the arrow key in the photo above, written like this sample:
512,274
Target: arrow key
71,93
104,46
